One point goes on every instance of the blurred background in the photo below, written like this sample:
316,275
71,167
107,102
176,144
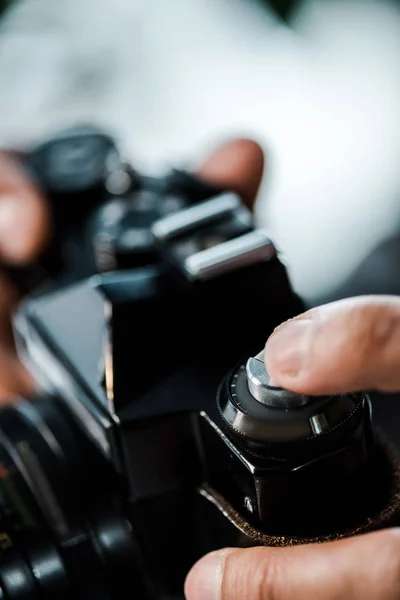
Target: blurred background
317,83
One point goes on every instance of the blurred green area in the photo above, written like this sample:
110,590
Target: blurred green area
284,8
4,4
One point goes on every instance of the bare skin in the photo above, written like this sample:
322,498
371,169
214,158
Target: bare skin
339,347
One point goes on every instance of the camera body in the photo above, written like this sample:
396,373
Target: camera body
102,209
158,435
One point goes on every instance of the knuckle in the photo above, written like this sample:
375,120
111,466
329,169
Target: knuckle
374,328
268,578
253,574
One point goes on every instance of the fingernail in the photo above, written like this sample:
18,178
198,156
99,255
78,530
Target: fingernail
287,349
10,212
204,580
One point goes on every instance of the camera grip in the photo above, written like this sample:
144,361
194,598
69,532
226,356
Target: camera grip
240,533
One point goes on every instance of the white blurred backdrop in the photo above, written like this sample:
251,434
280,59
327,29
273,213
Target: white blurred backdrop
171,78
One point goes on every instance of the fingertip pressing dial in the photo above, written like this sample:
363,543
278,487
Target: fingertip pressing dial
264,390
254,408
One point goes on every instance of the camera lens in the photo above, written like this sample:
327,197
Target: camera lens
30,565
61,535
33,570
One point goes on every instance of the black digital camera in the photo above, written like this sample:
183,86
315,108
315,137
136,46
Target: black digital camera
157,434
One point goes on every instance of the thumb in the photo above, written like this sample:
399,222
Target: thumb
340,347
360,568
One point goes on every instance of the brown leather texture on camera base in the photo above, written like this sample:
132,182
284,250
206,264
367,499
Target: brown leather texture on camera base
249,536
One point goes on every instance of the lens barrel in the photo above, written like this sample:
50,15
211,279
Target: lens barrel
61,536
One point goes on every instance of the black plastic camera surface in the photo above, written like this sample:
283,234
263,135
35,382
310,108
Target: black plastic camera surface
157,434
102,210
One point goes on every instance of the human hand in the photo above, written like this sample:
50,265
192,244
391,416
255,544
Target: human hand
24,228
25,225
344,346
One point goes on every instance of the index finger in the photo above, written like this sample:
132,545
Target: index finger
237,165
344,346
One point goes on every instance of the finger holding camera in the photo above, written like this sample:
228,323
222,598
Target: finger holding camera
344,346
24,228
